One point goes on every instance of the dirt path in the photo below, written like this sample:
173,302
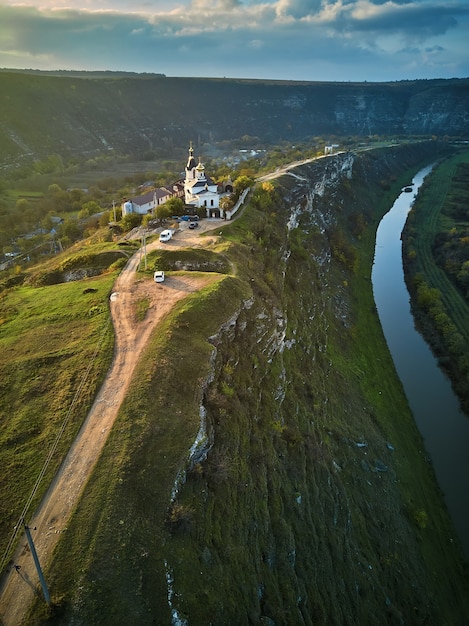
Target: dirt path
52,516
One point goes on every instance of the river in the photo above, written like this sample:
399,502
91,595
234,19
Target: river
443,426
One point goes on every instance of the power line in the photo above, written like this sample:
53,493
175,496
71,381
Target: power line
55,444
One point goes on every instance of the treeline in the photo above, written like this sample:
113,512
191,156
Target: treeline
31,221
451,245
436,261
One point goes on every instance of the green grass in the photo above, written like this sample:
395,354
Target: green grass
429,222
56,338
290,516
157,425
191,259
443,313
48,338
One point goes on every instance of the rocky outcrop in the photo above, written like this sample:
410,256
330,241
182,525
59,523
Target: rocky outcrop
157,114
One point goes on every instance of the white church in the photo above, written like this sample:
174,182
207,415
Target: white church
197,190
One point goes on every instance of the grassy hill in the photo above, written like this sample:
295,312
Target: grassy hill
265,467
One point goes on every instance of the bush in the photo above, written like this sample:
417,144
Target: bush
131,220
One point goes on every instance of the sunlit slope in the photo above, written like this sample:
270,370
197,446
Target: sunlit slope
265,467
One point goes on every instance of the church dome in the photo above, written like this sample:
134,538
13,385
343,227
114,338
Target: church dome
191,161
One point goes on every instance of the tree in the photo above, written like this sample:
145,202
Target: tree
54,188
76,195
226,203
428,297
23,205
52,164
105,218
463,276
173,206
242,183
89,208
131,220
71,229
163,211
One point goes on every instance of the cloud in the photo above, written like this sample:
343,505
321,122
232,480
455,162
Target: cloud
300,39
297,9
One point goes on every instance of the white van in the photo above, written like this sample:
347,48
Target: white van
166,235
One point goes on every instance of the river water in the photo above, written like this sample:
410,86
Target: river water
444,427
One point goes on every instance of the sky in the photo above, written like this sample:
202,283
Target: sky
307,40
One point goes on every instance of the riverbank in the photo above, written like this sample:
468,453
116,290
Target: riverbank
439,305
435,407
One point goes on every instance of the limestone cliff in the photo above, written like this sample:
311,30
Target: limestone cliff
156,114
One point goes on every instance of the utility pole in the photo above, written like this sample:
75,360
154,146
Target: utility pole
143,250
37,564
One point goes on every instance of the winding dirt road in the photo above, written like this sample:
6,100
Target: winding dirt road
51,518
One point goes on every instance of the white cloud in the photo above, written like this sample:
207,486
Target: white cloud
300,39
297,9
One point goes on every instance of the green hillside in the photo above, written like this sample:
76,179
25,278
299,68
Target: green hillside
308,498
81,115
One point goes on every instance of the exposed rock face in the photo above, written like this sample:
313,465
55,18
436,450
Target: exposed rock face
137,115
298,514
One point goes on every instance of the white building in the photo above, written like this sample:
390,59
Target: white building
196,190
146,203
199,189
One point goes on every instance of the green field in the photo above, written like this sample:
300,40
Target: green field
56,343
440,306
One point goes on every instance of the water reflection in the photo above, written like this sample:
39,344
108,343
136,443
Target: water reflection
444,428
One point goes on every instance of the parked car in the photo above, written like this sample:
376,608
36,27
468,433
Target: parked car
166,235
194,225
158,276
193,218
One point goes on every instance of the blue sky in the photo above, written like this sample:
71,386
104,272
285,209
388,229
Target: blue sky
325,40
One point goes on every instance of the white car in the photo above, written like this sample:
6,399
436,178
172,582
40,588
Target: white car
166,235
158,276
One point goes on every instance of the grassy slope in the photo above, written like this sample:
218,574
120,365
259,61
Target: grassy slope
48,339
293,515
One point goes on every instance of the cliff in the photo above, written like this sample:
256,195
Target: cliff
265,467
83,115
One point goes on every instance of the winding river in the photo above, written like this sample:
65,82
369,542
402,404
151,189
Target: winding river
444,427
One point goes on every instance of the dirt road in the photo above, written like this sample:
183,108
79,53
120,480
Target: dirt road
51,518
